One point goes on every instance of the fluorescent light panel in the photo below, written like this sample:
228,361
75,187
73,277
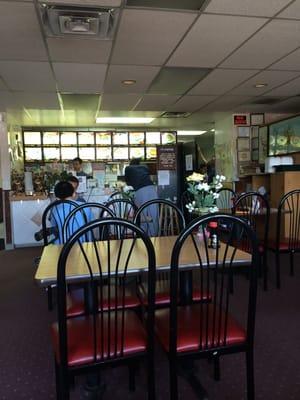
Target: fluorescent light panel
124,120
190,133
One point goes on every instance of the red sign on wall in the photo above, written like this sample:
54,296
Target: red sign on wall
240,119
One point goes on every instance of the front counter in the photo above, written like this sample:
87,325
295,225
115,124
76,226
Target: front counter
26,216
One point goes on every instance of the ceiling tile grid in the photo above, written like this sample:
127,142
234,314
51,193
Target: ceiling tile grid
148,37
206,46
80,78
289,63
275,40
191,103
292,12
36,100
119,102
289,89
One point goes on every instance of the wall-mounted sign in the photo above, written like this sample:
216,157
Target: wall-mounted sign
166,157
240,119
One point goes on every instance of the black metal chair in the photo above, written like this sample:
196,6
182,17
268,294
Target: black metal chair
52,228
255,209
86,212
226,199
114,196
109,335
210,329
122,208
287,231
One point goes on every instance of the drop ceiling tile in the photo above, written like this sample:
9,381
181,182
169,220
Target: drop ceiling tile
246,7
100,3
2,85
148,37
80,78
176,80
226,103
156,102
79,50
220,81
271,78
206,46
20,35
292,12
275,40
88,102
191,103
117,73
26,75
119,102
291,105
289,89
38,100
289,63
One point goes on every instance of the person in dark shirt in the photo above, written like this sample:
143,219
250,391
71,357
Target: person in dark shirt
138,177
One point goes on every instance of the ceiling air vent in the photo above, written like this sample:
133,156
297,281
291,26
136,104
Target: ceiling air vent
98,23
175,114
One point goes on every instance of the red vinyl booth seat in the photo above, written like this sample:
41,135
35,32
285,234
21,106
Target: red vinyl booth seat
188,329
283,245
75,300
81,343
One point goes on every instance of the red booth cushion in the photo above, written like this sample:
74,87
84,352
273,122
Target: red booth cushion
81,343
188,328
283,245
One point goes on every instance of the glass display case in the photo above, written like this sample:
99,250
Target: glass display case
284,137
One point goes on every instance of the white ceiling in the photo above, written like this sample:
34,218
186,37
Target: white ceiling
239,42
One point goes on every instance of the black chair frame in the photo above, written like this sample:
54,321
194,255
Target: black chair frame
64,373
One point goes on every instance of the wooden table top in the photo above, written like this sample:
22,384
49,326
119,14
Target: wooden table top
77,268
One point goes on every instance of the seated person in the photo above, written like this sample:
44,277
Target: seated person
75,183
65,191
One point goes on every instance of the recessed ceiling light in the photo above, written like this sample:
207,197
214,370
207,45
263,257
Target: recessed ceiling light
190,133
124,120
260,85
128,82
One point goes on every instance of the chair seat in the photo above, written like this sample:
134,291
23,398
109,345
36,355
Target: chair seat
81,341
162,293
75,300
188,328
283,245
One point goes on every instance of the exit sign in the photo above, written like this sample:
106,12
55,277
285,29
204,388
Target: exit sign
240,119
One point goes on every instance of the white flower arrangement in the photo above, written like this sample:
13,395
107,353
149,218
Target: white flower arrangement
204,194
